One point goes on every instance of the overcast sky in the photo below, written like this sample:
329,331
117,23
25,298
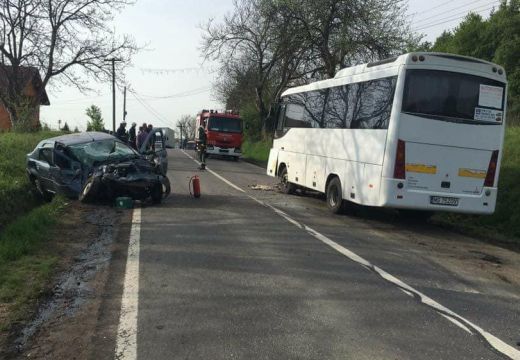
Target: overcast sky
172,68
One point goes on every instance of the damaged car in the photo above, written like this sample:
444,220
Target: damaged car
97,166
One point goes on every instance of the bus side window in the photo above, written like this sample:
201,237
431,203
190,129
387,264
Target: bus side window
373,104
280,117
294,116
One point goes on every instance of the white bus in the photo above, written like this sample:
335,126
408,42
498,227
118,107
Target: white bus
422,131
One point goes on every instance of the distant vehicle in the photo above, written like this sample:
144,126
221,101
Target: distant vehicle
223,132
77,165
169,137
190,145
422,131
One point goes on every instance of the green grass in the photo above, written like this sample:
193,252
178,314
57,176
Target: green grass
22,283
26,235
25,226
26,265
15,191
257,151
504,224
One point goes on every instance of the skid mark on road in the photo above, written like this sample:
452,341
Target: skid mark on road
497,345
126,346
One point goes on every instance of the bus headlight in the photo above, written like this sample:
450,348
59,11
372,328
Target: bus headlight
488,192
237,150
400,185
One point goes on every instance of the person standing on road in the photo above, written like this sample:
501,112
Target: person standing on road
141,137
121,132
132,136
201,146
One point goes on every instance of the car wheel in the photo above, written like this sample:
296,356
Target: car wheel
334,196
286,186
46,196
90,190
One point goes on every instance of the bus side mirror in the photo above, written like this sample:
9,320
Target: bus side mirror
247,126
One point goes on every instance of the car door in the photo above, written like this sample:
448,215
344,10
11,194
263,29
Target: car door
155,144
43,165
65,173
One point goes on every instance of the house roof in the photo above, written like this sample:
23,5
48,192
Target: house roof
26,75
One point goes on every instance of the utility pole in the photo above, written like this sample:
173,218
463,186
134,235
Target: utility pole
124,105
181,127
113,61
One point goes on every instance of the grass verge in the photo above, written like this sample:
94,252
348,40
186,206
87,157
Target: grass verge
504,224
257,151
15,191
25,265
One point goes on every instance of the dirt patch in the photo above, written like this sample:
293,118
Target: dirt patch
69,313
479,263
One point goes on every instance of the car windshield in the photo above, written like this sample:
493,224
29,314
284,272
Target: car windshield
222,124
97,152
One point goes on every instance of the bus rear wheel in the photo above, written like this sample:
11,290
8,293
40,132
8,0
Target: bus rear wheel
286,186
334,196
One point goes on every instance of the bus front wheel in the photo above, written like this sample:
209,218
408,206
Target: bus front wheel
334,196
286,186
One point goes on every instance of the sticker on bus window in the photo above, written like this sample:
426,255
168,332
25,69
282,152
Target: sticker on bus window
490,96
488,115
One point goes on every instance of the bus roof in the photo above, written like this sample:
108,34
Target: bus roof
416,58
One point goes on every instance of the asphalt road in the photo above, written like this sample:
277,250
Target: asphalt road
255,274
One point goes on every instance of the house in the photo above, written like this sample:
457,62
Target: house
31,82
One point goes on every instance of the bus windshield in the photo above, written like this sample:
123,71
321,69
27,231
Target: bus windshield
451,96
223,124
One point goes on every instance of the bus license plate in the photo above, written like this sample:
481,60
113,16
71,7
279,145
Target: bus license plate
444,200
223,150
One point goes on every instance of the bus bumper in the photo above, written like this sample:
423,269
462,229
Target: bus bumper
416,199
217,150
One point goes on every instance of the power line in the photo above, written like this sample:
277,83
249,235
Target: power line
168,71
150,109
447,20
456,8
179,95
430,9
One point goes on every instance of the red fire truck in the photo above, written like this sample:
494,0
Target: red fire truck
223,132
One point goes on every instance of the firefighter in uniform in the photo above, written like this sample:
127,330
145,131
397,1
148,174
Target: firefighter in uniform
201,147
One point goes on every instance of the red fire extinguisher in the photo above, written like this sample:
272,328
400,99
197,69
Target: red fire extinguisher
195,185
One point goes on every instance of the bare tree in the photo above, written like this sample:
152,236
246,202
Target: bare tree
342,33
66,41
255,45
187,123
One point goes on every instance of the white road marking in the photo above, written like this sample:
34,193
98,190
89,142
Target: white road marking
458,323
215,174
126,346
458,320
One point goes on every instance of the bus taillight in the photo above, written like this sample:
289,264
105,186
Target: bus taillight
492,169
400,161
